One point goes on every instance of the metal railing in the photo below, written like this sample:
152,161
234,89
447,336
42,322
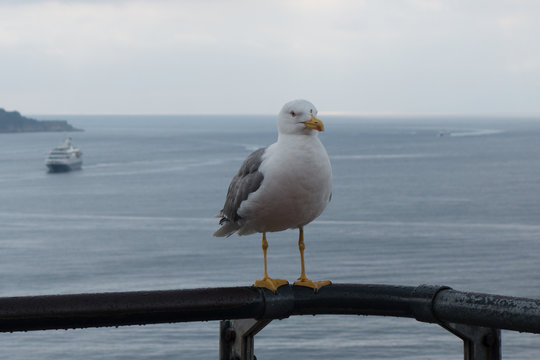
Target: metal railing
476,318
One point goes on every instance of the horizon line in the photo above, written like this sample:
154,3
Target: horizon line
321,113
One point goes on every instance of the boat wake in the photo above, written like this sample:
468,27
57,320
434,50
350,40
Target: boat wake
147,167
480,132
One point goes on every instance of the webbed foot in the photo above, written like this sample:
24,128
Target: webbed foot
270,284
315,285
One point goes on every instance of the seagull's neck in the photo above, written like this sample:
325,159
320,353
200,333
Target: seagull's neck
304,134
298,139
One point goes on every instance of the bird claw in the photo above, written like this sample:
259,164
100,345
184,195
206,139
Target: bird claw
270,284
315,285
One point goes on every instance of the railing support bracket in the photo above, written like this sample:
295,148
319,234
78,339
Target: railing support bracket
479,343
236,339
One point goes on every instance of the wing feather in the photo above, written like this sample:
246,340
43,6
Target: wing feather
246,181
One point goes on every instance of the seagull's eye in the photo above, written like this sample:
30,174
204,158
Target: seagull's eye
293,114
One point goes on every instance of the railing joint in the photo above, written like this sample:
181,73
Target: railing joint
423,300
278,305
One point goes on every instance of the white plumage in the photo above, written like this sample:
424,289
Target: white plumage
286,185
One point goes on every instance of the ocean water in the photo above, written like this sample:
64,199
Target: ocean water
452,201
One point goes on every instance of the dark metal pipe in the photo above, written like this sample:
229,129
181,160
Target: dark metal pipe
436,304
500,312
356,299
127,308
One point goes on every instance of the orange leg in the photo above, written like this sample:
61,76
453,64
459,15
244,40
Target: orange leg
267,282
303,279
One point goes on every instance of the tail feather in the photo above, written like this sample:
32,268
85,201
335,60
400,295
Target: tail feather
227,229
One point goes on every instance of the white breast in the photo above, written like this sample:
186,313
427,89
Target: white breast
296,187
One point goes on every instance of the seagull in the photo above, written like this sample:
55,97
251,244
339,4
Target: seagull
283,186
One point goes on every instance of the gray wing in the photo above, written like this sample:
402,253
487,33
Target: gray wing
246,181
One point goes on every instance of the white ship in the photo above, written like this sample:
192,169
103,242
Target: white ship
65,157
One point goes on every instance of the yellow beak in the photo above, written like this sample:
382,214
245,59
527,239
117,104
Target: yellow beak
314,124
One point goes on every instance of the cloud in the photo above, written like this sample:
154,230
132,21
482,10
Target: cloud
251,56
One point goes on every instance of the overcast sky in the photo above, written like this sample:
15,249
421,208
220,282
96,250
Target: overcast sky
186,57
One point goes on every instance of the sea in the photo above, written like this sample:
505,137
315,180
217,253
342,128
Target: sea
446,200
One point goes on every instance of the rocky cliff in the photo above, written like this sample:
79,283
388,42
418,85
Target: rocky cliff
13,121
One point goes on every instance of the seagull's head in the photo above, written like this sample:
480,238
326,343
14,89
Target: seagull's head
299,117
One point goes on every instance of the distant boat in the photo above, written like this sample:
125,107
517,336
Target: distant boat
64,158
444,133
